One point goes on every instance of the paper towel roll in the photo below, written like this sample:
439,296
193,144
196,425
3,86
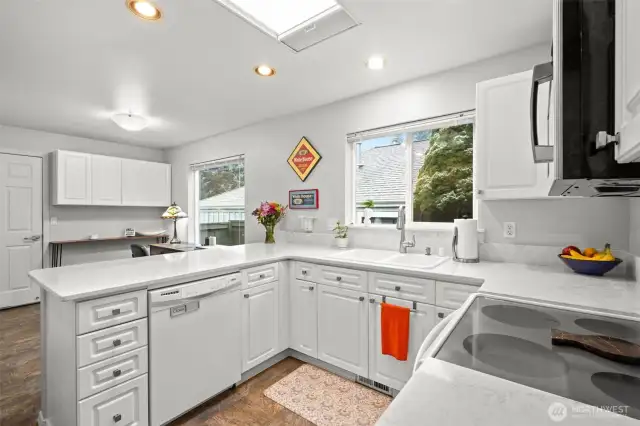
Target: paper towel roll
467,245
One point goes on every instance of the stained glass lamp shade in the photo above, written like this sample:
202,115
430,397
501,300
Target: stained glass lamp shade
174,212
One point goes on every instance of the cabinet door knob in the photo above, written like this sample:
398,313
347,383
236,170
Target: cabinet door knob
398,288
246,296
117,418
117,372
311,288
338,278
361,298
261,275
440,314
117,342
304,272
115,311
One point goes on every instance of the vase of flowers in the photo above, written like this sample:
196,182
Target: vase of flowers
268,215
341,234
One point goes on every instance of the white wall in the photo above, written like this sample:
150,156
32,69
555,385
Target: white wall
80,222
634,226
267,146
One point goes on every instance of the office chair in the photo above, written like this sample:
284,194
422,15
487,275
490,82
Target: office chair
138,250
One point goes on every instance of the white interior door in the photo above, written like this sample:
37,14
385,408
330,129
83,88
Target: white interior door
20,228
628,79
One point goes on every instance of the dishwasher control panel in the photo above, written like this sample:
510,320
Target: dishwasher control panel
194,289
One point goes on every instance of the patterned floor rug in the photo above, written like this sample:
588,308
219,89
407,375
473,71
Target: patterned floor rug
326,399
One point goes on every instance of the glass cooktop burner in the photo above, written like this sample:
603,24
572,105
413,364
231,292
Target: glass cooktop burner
520,316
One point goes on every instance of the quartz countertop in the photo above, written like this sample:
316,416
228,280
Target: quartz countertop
556,285
447,394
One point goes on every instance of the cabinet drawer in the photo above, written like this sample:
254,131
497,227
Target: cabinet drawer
305,271
109,311
414,289
259,275
126,404
452,296
341,277
103,344
110,372
442,313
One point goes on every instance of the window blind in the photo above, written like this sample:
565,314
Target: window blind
456,119
218,163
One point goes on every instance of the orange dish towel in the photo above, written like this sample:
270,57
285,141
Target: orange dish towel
395,331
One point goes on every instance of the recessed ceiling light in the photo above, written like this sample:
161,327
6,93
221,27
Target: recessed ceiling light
144,9
264,70
129,122
375,63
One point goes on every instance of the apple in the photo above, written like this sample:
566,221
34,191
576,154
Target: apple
567,250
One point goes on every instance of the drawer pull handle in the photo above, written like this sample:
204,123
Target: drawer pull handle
117,342
117,373
115,311
440,314
304,272
398,288
361,298
310,288
246,296
261,276
117,418
338,278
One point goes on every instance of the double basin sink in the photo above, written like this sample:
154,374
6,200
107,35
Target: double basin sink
391,258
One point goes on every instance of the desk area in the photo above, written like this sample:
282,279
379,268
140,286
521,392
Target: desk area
167,248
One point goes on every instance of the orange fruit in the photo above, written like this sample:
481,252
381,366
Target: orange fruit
590,252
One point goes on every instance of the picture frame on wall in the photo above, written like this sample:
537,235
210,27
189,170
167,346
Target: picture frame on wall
304,199
304,158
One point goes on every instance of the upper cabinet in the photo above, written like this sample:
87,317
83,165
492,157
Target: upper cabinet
628,80
106,180
145,183
87,179
505,168
71,183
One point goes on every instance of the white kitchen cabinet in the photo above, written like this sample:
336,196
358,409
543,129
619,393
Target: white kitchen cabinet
106,180
304,317
260,323
386,369
72,178
145,183
343,335
504,155
628,80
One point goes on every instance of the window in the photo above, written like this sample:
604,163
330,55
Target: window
426,166
220,201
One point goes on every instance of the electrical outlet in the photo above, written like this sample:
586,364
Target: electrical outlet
509,229
54,221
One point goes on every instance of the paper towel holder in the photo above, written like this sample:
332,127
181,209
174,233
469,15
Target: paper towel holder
454,245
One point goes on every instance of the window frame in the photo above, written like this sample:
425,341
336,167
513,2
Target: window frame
410,130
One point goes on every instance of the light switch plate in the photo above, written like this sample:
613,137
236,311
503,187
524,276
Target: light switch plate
509,230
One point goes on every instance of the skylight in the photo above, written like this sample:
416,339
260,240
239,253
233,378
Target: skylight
279,16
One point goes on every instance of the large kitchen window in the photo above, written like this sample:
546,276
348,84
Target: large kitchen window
220,201
426,166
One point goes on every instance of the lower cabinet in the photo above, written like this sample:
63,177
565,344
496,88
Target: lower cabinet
304,317
386,369
260,313
125,404
343,337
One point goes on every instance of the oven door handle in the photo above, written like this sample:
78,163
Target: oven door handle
542,73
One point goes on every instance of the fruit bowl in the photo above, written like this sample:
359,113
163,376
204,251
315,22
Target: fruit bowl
590,267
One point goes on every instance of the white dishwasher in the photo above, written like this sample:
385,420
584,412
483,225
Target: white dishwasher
195,344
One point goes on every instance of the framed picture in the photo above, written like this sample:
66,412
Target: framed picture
304,199
304,158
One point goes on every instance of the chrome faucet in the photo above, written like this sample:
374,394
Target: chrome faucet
402,219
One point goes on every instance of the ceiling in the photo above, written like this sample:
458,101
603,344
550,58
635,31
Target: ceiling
68,65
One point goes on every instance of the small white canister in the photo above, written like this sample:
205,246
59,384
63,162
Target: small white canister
465,241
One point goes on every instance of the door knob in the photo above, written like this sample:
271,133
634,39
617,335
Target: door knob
311,288
440,314
117,372
338,278
361,298
246,296
117,342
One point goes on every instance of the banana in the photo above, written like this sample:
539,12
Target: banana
578,256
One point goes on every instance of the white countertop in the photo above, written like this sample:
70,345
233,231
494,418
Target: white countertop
556,285
447,394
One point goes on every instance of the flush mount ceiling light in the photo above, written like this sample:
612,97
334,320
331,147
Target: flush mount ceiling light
264,71
144,9
375,63
129,122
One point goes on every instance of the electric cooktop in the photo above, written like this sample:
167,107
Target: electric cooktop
512,340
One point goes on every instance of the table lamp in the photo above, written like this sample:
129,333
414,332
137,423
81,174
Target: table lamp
174,212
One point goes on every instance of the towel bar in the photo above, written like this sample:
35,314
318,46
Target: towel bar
384,300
